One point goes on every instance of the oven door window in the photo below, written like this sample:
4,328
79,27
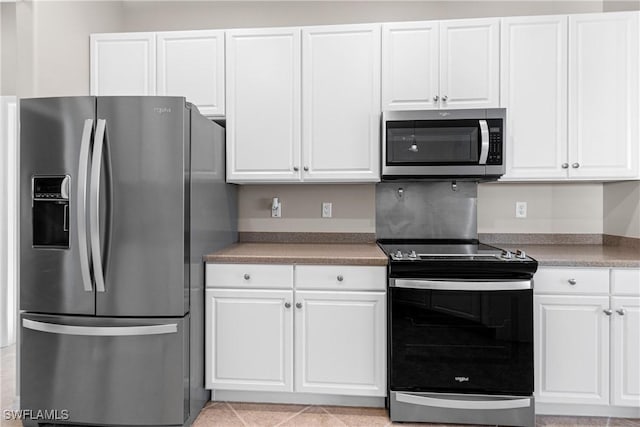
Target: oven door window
462,341
435,142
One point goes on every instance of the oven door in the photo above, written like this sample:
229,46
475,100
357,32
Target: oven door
461,336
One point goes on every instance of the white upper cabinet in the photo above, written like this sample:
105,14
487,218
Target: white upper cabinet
410,74
570,86
534,92
263,105
176,63
123,64
441,64
469,63
341,103
191,64
603,95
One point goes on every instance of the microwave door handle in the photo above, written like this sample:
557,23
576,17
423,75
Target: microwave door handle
484,142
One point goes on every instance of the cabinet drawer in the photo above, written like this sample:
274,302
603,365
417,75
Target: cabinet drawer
249,276
571,281
625,281
341,277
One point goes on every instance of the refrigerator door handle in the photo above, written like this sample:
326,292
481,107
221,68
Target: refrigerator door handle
83,167
100,331
94,204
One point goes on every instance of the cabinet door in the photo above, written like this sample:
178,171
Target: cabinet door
625,343
341,103
603,95
248,341
263,105
410,66
191,64
123,64
469,63
340,343
534,49
571,344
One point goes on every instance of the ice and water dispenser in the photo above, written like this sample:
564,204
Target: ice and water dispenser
51,211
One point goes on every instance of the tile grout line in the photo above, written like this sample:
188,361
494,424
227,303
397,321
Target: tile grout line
332,416
237,414
292,416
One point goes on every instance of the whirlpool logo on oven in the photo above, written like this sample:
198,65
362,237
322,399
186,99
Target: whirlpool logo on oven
462,379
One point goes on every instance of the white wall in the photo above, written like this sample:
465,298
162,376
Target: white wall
622,209
8,49
53,39
551,208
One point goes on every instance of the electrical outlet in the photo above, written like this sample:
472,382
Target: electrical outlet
521,209
326,209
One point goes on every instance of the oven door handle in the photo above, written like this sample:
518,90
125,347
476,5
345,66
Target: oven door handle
448,285
463,404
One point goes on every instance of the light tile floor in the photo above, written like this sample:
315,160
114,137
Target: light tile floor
230,414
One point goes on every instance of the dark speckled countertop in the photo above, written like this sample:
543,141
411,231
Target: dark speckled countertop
300,253
580,255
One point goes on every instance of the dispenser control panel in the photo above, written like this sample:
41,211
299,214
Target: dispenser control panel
50,211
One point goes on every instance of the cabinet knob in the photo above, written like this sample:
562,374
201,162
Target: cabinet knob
565,166
296,169
340,278
575,165
306,168
287,304
445,98
621,311
435,98
572,282
246,276
298,305
608,311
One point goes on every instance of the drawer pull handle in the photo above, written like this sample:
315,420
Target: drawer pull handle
608,311
298,305
340,278
287,304
572,282
246,276
621,311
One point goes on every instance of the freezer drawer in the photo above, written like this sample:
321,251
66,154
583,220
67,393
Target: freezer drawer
106,370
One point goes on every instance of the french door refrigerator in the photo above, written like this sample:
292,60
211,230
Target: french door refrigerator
120,199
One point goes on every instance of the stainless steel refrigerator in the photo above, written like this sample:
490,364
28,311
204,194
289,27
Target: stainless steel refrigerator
120,198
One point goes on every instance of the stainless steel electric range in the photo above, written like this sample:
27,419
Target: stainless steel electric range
460,313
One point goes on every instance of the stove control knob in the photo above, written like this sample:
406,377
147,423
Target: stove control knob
398,254
413,255
521,254
507,255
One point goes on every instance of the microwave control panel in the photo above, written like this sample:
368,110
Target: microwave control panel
495,142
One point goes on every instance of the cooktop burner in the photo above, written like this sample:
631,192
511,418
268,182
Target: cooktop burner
446,258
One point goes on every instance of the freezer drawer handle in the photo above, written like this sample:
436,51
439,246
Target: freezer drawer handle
100,331
463,404
83,167
94,203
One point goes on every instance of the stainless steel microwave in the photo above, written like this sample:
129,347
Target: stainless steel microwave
434,144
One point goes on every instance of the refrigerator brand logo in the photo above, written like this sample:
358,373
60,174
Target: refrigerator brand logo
162,110
462,379
444,114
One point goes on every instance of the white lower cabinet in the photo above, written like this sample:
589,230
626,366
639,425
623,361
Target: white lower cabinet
587,340
327,338
249,339
340,342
